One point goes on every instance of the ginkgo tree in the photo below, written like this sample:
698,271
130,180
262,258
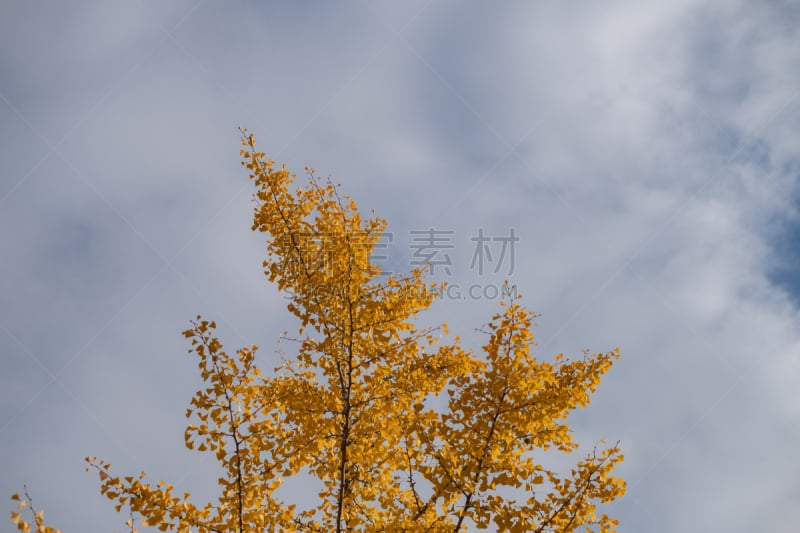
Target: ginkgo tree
404,432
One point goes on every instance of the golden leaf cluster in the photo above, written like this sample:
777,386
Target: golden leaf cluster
402,432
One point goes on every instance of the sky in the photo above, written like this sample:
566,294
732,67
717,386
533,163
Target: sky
643,153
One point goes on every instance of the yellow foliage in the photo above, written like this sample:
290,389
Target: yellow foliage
38,517
354,407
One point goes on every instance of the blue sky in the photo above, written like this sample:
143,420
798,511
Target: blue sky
644,153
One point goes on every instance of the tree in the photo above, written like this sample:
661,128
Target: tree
403,431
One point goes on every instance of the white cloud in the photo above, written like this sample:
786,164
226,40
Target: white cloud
645,155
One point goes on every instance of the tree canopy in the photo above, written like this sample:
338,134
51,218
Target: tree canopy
403,431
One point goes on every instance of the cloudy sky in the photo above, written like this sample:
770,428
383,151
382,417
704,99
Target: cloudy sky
645,154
